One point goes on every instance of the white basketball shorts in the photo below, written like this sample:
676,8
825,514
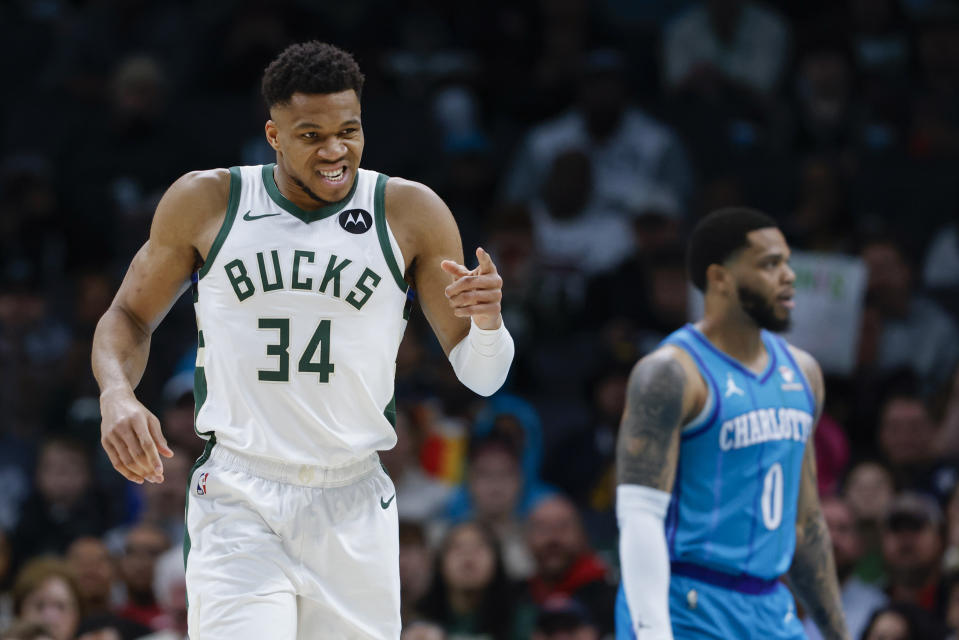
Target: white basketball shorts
291,552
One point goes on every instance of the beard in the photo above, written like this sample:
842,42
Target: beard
761,310
302,185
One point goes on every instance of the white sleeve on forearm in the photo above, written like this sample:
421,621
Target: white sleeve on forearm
481,360
644,558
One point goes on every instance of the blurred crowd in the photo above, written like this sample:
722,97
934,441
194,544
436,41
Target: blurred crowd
578,141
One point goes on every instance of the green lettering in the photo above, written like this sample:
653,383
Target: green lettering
242,285
333,273
297,256
276,284
280,350
367,291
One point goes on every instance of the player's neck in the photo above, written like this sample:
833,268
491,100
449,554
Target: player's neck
737,339
296,192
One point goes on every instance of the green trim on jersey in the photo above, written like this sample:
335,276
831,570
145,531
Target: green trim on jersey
207,450
234,202
199,389
390,411
306,216
379,214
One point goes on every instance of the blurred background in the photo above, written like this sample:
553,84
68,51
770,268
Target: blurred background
578,142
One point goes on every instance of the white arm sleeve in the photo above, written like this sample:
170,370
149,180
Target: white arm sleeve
481,360
644,557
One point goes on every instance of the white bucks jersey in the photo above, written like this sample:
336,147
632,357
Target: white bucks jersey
300,315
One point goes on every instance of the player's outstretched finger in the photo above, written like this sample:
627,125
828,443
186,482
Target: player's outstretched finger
485,261
454,268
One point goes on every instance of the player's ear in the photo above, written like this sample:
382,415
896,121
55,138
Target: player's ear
718,278
271,134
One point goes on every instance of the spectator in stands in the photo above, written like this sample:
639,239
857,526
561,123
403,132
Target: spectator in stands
722,45
419,496
574,238
494,488
144,544
471,594
910,441
416,563
657,303
423,630
913,330
859,599
565,565
91,564
169,584
27,631
869,490
163,503
503,478
64,505
903,621
96,574
46,592
912,547
629,151
826,118
561,618
582,462
821,220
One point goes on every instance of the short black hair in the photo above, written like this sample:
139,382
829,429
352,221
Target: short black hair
718,236
310,67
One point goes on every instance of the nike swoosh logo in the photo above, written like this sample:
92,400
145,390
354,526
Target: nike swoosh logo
247,216
386,503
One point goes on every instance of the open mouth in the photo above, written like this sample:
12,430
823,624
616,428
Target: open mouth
333,176
786,300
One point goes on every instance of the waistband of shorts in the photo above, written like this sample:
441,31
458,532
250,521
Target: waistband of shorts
305,475
743,583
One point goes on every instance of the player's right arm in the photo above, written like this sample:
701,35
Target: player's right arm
663,393
183,229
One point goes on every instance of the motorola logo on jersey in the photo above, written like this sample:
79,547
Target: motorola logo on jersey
356,221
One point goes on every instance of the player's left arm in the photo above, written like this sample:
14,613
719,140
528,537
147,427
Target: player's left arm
813,572
462,305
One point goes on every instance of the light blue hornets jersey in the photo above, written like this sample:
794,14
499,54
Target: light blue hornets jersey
733,508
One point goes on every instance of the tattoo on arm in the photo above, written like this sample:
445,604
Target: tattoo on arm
648,445
813,572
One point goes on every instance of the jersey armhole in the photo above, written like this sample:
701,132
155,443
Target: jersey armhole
807,386
711,407
236,183
383,231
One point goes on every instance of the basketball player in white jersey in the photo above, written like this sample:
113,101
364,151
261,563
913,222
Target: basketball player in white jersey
300,273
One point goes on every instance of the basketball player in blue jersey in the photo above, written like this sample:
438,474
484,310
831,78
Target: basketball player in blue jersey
301,271
716,496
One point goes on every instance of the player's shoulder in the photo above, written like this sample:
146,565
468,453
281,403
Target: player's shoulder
415,209
810,368
202,186
198,191
671,367
669,359
404,196
805,360
194,201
